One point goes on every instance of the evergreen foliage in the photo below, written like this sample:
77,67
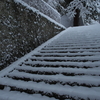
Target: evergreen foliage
88,10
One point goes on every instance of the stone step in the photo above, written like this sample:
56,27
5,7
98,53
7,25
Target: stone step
64,60
63,64
65,48
15,95
87,81
58,70
63,92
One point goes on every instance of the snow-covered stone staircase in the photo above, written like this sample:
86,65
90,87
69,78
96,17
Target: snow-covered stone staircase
65,68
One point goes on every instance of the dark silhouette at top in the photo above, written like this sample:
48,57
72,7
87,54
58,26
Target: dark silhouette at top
76,18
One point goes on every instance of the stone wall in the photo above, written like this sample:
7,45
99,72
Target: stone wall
45,8
22,30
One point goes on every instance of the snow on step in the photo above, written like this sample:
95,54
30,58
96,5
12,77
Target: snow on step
61,70
74,64
88,58
71,47
92,93
67,67
88,80
14,95
72,50
70,54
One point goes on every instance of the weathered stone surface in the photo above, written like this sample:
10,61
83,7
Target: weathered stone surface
21,30
45,8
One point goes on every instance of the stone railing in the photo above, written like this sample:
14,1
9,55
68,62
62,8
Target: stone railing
45,8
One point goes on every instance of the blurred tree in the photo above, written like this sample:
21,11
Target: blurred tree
86,9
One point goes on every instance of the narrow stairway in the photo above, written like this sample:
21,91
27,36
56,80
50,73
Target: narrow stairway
65,68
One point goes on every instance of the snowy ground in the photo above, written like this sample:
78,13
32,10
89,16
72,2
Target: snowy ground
66,21
66,67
